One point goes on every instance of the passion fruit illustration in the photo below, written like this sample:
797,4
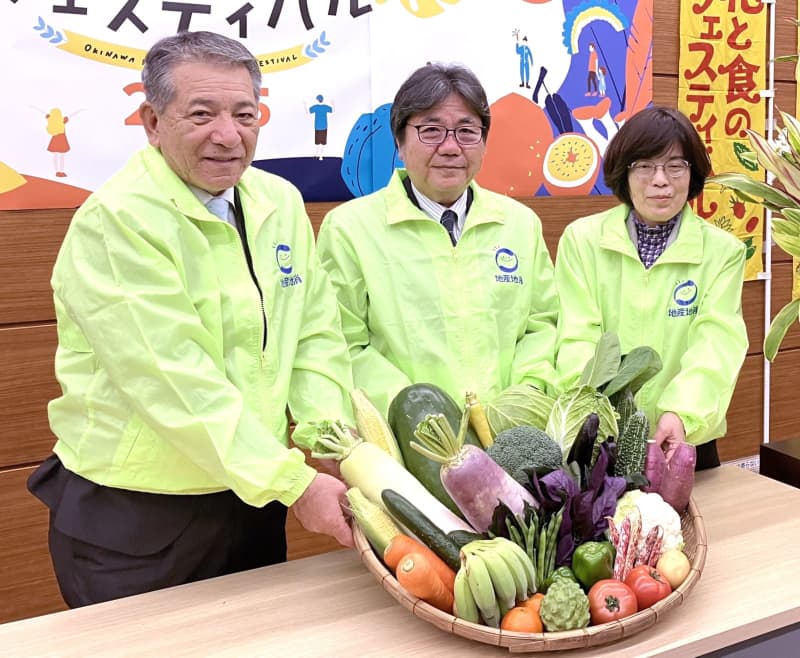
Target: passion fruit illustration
571,165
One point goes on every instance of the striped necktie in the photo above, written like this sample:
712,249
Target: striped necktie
449,220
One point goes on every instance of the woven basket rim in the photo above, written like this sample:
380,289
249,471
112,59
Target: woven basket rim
591,636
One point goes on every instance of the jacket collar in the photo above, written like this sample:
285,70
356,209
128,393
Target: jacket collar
255,204
687,246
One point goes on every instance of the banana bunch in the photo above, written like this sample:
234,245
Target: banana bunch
495,575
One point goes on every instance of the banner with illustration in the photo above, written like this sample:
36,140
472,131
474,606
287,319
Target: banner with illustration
721,74
560,76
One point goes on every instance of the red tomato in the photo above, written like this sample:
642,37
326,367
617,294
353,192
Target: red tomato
611,599
648,585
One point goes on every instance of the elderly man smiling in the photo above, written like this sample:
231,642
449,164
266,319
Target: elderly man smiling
438,279
192,316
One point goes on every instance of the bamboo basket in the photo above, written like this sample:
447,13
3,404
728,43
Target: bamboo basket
694,536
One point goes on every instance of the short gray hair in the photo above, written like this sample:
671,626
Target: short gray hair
428,86
206,47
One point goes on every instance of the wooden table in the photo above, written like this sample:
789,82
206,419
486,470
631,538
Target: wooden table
330,605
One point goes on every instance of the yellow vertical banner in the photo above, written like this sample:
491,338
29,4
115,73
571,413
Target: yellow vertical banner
722,70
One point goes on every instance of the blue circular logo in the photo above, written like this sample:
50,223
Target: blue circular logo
283,255
506,260
685,293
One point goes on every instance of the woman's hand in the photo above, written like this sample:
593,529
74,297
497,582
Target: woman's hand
669,433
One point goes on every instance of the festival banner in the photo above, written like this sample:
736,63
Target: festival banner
560,76
721,74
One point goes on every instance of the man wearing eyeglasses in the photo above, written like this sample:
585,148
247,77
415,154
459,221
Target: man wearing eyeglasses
656,274
439,280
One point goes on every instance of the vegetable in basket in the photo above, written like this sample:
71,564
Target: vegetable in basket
593,561
525,447
408,408
654,511
471,478
371,469
519,404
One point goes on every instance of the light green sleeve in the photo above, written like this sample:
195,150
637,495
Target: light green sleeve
125,293
321,376
534,358
380,379
717,345
580,323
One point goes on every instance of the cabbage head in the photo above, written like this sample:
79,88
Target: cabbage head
570,411
517,405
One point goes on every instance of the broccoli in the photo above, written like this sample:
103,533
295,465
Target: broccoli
522,447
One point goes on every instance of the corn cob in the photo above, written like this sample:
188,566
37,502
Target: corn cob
372,426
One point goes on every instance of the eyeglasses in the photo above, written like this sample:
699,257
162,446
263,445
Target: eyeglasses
464,135
645,170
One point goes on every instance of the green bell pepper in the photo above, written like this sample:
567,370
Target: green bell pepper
593,561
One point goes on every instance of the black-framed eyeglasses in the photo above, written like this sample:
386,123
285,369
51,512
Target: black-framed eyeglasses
674,168
433,134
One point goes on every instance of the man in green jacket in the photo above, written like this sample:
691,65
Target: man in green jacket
186,342
468,304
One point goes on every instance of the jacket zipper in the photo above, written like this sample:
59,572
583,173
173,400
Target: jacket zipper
241,231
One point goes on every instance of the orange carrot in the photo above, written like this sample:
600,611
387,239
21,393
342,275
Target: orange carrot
402,545
418,576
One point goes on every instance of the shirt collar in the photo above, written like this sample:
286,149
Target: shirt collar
434,209
204,197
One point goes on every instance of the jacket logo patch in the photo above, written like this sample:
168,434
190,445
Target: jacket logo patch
283,256
508,263
684,296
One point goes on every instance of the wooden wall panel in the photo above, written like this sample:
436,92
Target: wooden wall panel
29,242
744,414
27,384
784,409
27,583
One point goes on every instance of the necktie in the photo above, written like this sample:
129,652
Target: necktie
449,220
218,206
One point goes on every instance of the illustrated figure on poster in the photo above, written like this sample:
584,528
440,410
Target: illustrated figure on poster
525,60
601,80
591,74
320,110
59,145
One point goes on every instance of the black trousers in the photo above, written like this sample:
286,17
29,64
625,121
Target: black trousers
707,456
106,543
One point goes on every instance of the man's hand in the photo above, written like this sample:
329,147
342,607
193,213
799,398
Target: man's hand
669,433
319,509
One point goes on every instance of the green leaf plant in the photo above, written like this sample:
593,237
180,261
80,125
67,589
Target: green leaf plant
780,157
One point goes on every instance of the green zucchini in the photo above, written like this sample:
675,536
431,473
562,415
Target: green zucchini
632,446
408,408
411,518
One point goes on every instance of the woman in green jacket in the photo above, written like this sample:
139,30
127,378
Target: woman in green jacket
656,274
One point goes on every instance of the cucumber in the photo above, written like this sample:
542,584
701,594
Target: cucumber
402,511
408,408
463,537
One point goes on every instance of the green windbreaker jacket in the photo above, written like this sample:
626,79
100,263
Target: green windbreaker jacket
165,384
479,316
687,307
